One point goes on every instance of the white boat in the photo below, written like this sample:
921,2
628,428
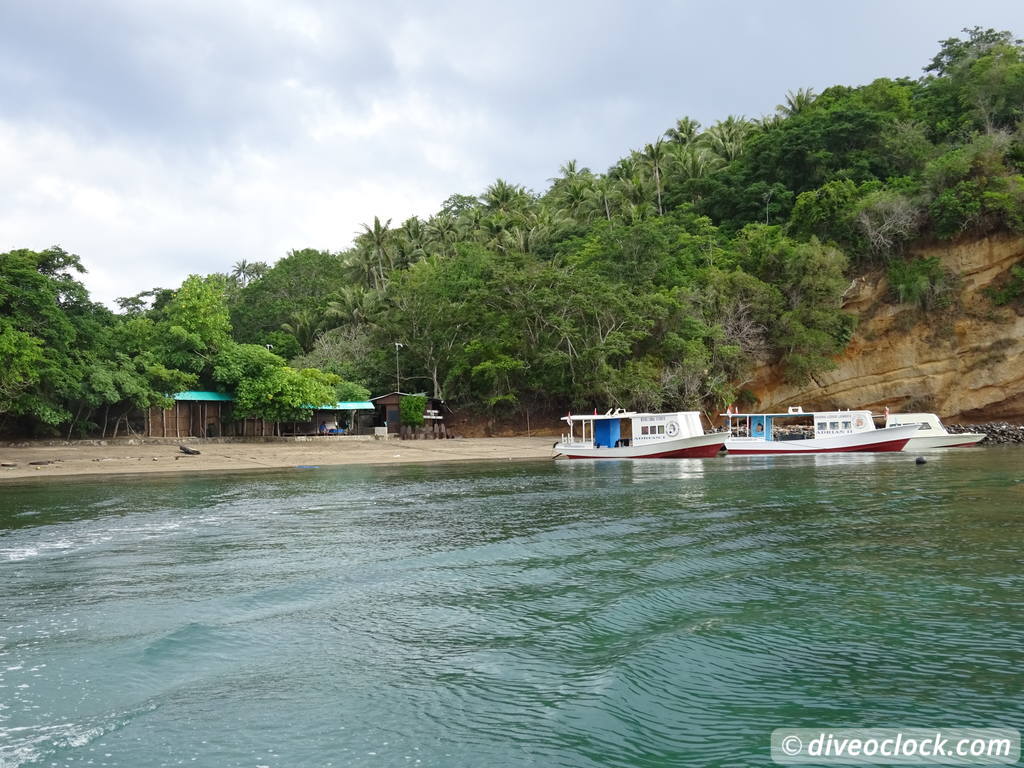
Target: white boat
930,432
826,432
621,434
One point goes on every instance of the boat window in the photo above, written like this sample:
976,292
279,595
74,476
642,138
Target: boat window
822,426
661,429
924,426
846,425
833,425
643,430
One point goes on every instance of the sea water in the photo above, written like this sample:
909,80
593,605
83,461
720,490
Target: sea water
569,613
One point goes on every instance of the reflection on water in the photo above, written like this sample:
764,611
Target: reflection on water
554,613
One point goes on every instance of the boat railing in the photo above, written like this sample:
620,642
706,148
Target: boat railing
573,441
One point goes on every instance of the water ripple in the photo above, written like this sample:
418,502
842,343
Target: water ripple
566,614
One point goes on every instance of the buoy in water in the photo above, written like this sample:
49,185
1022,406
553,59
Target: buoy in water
921,460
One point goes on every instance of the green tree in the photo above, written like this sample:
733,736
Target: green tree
413,410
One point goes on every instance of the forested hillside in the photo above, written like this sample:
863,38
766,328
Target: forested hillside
663,282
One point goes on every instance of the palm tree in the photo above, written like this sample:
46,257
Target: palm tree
685,132
626,168
305,325
442,231
726,137
411,242
492,228
354,304
378,238
505,197
693,162
240,272
797,102
570,170
359,262
634,190
604,194
577,198
657,158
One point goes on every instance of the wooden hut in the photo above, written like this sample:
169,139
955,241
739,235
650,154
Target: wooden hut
203,414
388,414
194,414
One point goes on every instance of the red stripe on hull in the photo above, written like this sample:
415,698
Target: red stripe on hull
699,452
888,447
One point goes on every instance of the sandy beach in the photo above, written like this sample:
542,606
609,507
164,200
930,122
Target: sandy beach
89,458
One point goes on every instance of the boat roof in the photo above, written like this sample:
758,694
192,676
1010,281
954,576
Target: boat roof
617,414
799,413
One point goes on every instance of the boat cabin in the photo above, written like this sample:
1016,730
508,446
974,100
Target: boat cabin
799,425
619,428
928,423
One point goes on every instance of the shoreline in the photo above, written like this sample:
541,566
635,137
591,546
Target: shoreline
85,460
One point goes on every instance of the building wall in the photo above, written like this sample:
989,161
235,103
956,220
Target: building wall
200,418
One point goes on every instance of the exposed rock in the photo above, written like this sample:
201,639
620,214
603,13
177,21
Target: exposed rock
995,432
964,363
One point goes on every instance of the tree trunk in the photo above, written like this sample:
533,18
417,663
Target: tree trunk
74,420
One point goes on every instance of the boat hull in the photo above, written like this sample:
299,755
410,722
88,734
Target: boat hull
948,440
697,447
885,440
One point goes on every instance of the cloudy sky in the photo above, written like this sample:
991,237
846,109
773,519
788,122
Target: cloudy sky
156,139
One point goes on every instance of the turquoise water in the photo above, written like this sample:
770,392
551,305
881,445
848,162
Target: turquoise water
662,613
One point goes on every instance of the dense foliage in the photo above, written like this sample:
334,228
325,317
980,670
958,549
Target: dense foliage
660,283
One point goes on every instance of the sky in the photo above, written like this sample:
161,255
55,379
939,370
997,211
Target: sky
160,139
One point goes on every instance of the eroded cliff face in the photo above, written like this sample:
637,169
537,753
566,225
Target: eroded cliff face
966,364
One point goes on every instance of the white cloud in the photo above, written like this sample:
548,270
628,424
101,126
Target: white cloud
170,137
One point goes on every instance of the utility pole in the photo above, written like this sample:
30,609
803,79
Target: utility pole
398,373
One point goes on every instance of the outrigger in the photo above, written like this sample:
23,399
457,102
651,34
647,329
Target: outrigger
826,432
620,434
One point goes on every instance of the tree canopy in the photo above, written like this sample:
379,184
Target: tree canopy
661,283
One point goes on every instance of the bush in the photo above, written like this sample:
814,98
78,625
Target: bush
1012,290
888,219
1003,204
922,282
828,213
412,409
956,210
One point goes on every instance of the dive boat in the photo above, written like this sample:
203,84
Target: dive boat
930,432
620,434
826,432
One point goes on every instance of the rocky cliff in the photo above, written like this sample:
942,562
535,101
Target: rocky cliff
965,363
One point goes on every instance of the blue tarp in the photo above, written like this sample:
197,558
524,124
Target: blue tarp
203,396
